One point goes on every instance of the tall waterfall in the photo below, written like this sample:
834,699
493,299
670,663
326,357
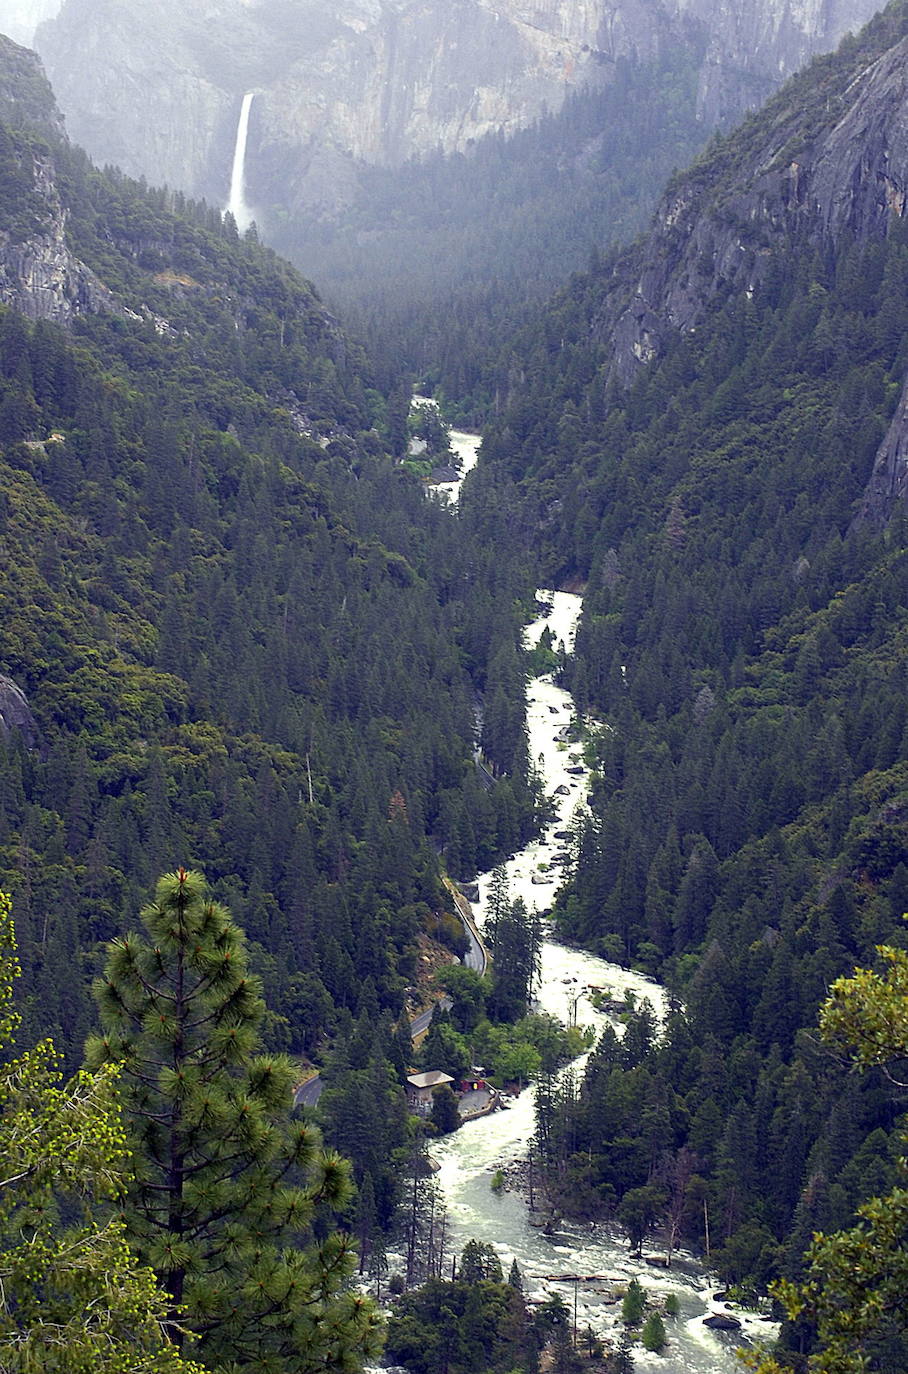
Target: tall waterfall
236,204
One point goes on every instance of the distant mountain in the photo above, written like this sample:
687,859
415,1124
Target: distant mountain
20,18
821,169
157,86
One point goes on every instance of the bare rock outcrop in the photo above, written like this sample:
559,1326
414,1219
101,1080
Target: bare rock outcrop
15,713
158,85
718,224
40,276
888,484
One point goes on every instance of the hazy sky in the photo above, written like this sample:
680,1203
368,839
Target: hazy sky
19,18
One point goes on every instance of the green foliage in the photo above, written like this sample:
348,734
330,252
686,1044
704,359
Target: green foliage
243,631
653,1337
445,1049
226,1189
441,292
74,1296
856,1279
467,1326
633,1304
515,938
639,1211
468,995
743,638
445,1114
427,423
479,1261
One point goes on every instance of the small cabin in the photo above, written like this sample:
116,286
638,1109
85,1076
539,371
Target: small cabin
420,1086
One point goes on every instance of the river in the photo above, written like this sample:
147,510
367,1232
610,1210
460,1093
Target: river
468,1158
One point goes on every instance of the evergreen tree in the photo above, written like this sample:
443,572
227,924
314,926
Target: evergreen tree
854,1294
225,1188
633,1304
445,1115
73,1297
653,1336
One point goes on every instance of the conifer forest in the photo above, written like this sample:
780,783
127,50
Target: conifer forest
301,1072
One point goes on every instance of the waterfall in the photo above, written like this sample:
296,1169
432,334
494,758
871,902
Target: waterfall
236,204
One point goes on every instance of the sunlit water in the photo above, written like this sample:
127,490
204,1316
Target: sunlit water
466,448
468,1158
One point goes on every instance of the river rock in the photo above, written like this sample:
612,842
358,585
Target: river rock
576,768
15,713
469,890
444,473
722,1321
562,791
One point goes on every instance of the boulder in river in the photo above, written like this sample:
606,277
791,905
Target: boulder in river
722,1321
562,791
469,890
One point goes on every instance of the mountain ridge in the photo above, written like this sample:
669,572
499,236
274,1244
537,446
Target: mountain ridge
382,82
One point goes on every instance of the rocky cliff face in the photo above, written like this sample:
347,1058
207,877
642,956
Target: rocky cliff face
39,274
771,182
158,84
20,18
825,161
887,488
15,713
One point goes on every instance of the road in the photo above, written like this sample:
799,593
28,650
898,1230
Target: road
476,957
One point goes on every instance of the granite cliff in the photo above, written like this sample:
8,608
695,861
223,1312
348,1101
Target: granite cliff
158,85
815,180
15,713
40,275
820,171
788,175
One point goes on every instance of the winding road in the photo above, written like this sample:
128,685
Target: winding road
476,957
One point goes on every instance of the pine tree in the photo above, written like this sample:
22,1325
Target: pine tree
653,1335
634,1303
73,1297
226,1188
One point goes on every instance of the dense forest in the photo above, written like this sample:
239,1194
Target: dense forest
741,662
246,638
240,639
440,262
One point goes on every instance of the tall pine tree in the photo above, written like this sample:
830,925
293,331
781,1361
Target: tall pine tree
226,1188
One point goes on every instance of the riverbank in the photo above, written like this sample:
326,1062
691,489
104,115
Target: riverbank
548,1254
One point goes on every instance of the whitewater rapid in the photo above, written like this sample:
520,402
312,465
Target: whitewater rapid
468,1159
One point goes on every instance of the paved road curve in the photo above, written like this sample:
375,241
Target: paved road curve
308,1093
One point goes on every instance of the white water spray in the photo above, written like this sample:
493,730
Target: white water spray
236,204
